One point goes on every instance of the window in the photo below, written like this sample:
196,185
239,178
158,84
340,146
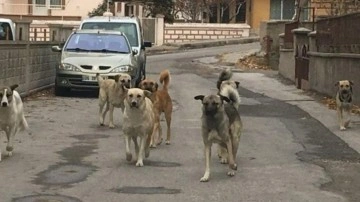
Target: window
40,3
282,9
129,29
56,4
5,31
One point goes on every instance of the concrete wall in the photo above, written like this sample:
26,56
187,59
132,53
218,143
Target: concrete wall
287,64
327,68
185,32
29,64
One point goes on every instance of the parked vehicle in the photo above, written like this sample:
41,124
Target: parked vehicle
87,52
7,29
131,27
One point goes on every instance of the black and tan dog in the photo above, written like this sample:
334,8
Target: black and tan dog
344,99
162,103
221,124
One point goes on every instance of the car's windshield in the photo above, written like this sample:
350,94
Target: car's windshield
5,31
95,42
129,29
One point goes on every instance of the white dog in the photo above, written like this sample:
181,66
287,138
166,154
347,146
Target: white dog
12,119
138,121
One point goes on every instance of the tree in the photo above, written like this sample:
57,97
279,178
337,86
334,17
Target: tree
162,7
100,10
190,10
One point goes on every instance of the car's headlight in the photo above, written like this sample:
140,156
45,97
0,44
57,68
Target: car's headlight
68,67
120,69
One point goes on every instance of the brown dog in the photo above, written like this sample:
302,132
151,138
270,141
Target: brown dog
112,94
162,103
344,102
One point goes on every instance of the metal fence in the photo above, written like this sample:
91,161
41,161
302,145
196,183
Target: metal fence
339,34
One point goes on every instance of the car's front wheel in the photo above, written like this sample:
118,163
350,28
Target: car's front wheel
61,91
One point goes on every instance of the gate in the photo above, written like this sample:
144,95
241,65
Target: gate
301,65
149,29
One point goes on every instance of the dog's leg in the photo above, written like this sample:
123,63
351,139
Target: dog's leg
341,119
25,125
168,123
147,145
139,162
111,115
348,118
127,145
10,134
154,141
232,164
136,145
207,152
223,155
102,118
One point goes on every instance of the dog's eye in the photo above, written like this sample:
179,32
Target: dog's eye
341,86
130,95
123,81
347,86
1,94
206,104
145,83
139,96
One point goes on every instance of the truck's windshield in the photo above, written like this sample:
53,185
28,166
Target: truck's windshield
129,29
5,31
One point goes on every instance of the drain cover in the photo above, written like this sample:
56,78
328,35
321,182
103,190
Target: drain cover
46,198
147,190
64,174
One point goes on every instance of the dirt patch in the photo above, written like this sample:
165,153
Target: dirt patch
49,92
331,104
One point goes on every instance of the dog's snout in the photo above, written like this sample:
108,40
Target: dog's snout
133,104
4,104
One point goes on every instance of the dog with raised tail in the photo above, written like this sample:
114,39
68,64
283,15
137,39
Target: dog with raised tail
162,104
12,118
221,124
112,95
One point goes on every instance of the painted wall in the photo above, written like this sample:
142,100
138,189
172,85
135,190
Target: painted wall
258,10
77,8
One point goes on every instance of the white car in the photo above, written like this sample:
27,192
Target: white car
132,28
87,52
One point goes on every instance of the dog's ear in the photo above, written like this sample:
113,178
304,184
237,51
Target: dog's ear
337,83
156,86
351,83
199,97
237,84
225,98
117,77
12,87
147,93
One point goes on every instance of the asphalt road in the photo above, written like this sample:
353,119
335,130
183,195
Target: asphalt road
285,153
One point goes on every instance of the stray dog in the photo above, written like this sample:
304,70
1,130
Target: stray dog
138,121
12,119
162,103
344,98
221,124
112,94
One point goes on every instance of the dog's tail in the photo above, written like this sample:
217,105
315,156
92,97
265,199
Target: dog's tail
232,94
225,74
99,78
165,79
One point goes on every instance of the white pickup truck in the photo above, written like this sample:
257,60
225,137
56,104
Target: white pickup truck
7,29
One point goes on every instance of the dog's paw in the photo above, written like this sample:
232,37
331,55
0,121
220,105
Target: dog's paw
167,142
233,166
204,179
223,160
112,126
342,128
160,141
139,164
128,156
9,153
153,146
230,173
147,153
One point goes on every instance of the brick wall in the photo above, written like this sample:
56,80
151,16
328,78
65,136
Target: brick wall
29,64
185,32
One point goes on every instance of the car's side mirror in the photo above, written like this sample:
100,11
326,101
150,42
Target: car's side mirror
147,44
134,52
56,49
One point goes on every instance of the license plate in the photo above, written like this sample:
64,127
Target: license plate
89,78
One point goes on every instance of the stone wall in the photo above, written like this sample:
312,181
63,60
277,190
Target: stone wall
327,68
29,64
186,32
287,64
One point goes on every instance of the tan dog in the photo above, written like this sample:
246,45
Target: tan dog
162,103
112,94
221,124
138,121
344,98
